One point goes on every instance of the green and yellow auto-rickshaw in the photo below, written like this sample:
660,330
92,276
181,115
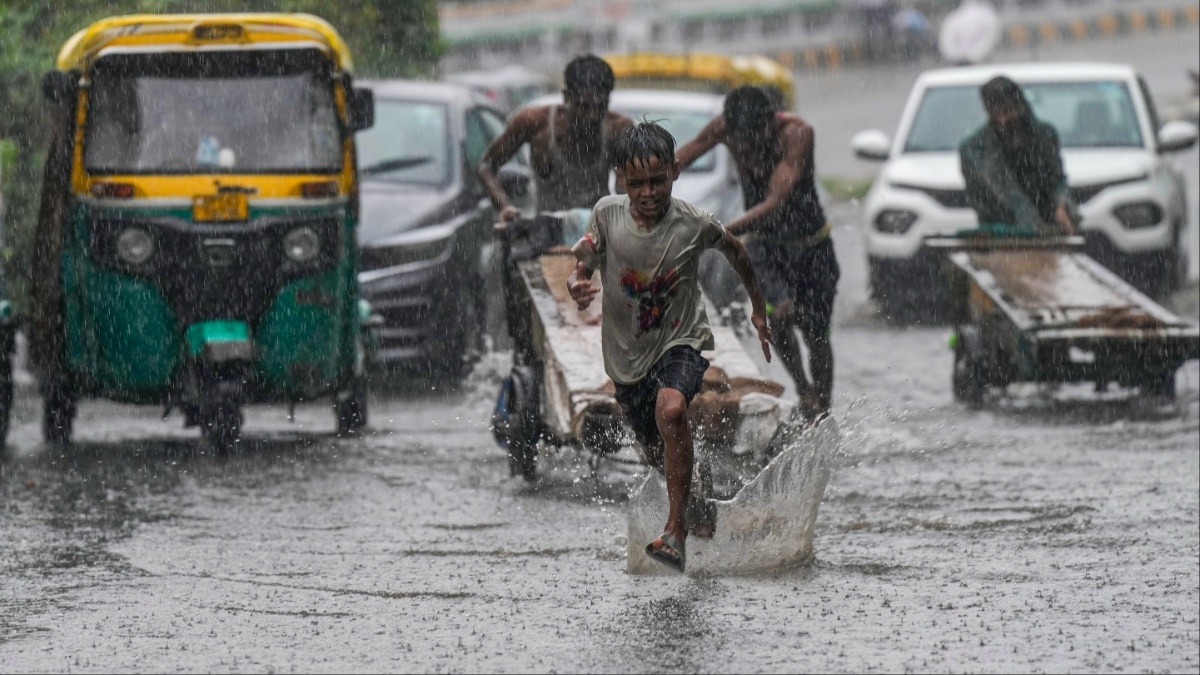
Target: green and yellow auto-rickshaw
196,239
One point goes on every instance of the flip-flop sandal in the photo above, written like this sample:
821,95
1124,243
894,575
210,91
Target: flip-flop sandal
668,550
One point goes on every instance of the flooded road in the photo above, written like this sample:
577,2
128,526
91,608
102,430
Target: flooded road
1054,531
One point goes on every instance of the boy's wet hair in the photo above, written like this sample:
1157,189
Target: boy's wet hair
747,110
1001,93
588,73
637,144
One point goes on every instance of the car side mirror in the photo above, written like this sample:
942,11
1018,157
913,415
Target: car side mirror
872,145
1176,135
515,180
60,87
362,109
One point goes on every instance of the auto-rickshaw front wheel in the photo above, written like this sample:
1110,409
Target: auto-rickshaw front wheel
6,397
351,407
221,426
58,412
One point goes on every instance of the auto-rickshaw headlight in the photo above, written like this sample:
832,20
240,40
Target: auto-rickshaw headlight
134,246
302,244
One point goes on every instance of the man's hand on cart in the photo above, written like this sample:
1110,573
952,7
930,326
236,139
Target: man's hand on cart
579,285
764,333
1062,217
508,213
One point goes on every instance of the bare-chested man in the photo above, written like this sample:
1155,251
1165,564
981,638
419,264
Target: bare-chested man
571,143
787,235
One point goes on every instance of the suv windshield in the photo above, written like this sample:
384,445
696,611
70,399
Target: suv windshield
683,126
410,143
1097,114
205,112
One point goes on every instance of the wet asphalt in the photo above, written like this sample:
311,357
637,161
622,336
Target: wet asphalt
1055,530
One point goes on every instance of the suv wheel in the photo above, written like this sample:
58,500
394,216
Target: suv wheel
1179,262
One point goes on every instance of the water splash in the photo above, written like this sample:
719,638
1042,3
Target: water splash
767,525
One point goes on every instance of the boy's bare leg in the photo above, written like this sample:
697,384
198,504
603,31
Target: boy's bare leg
670,412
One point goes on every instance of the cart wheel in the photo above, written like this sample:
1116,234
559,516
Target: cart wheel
1161,385
351,409
968,377
221,426
524,424
58,412
6,398
600,434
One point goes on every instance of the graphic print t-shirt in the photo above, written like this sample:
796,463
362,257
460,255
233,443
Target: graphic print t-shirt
652,298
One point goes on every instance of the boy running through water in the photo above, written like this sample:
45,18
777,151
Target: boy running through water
646,246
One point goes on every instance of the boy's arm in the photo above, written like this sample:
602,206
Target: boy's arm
580,286
797,146
708,138
735,252
520,130
589,254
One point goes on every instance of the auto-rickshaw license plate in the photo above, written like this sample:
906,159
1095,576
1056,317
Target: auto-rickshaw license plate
223,206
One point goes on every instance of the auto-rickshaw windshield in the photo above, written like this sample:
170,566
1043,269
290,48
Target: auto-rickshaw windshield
267,111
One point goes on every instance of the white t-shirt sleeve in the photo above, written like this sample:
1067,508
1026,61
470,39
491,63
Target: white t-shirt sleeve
712,232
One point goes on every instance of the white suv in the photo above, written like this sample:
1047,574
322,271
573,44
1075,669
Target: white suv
1131,196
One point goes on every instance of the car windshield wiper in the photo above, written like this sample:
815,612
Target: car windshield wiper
394,164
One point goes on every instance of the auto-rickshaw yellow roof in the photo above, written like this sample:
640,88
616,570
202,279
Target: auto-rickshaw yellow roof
693,65
150,30
763,71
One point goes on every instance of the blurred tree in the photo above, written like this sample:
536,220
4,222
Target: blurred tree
388,38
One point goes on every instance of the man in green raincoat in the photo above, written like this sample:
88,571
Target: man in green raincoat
1013,168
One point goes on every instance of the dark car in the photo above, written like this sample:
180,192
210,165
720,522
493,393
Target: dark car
426,225
508,87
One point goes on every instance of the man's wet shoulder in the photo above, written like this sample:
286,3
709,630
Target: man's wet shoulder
537,115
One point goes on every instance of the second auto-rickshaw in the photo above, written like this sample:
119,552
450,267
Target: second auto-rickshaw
196,240
703,71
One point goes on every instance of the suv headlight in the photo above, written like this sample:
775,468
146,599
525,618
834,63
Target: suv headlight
134,246
1139,214
894,221
302,244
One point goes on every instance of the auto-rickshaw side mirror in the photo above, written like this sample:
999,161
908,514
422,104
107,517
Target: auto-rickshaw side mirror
362,109
59,86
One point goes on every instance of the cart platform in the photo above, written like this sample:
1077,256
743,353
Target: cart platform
559,367
1041,310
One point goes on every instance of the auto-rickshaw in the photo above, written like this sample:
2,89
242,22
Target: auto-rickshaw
693,71
8,332
703,71
195,245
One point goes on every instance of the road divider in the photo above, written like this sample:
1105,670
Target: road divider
1017,34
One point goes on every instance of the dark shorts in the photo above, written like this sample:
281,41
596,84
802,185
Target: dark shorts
682,369
806,276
